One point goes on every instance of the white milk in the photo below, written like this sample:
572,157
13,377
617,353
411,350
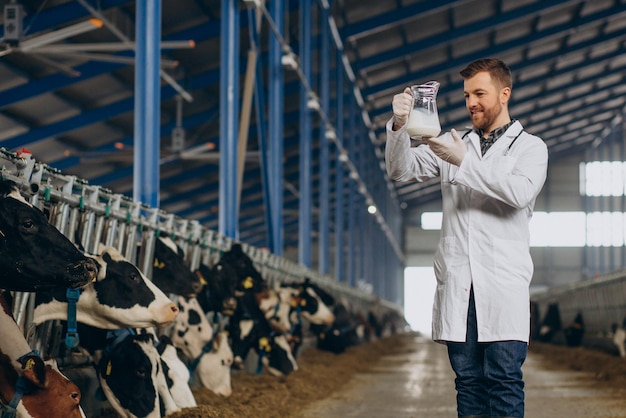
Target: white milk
421,123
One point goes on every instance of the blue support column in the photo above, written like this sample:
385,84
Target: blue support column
305,209
261,128
147,102
352,250
229,92
339,179
276,106
324,179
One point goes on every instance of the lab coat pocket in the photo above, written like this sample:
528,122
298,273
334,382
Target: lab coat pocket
512,260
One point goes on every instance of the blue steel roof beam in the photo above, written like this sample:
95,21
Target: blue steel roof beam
448,37
575,49
101,113
506,47
61,14
545,95
394,18
583,117
89,70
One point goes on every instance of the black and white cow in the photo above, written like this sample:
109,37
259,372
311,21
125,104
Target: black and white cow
176,374
345,331
249,328
551,323
207,352
575,331
34,255
170,273
233,274
120,297
132,378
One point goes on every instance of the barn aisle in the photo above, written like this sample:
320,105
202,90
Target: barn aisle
418,383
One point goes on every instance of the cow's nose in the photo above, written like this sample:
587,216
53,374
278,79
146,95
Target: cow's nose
90,267
174,308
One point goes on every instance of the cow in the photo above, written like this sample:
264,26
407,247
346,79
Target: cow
208,353
34,255
232,275
575,331
619,337
30,386
170,273
345,331
176,373
250,329
121,296
132,379
551,323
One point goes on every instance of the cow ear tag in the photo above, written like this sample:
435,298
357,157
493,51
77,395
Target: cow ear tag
158,264
264,344
200,277
248,283
108,369
30,363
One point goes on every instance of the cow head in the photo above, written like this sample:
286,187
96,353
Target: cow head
311,302
176,374
246,275
218,293
249,328
34,255
120,297
127,377
170,272
50,394
209,353
213,370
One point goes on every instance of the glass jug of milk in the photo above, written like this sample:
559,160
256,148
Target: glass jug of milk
423,118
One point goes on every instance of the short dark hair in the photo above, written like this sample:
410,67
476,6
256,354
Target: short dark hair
497,69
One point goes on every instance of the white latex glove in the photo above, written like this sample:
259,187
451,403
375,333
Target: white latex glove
401,105
452,152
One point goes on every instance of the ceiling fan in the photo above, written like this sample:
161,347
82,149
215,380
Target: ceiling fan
42,47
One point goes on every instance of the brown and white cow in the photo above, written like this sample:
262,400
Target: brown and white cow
34,255
120,297
49,393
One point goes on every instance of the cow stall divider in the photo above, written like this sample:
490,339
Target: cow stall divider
601,301
90,215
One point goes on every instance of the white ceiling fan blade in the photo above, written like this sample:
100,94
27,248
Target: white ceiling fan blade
115,46
65,69
57,35
165,63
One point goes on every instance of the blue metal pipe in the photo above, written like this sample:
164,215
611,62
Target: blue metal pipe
276,122
229,92
324,164
305,209
147,102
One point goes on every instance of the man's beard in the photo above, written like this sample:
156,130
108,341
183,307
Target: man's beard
488,117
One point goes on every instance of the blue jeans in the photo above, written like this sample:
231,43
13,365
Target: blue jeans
488,375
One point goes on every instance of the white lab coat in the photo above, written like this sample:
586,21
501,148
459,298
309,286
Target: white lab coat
487,205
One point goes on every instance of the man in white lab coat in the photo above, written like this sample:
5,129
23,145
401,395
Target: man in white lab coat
490,179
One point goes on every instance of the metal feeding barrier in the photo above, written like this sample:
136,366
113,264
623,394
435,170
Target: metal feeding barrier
90,215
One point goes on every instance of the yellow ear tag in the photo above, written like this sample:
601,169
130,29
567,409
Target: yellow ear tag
303,302
248,283
294,302
30,363
158,264
264,344
201,278
108,369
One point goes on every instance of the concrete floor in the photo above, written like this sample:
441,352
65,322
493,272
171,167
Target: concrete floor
420,384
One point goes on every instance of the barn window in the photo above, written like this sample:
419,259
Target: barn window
564,229
603,178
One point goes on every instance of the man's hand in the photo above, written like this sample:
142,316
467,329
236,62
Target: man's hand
401,105
452,152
